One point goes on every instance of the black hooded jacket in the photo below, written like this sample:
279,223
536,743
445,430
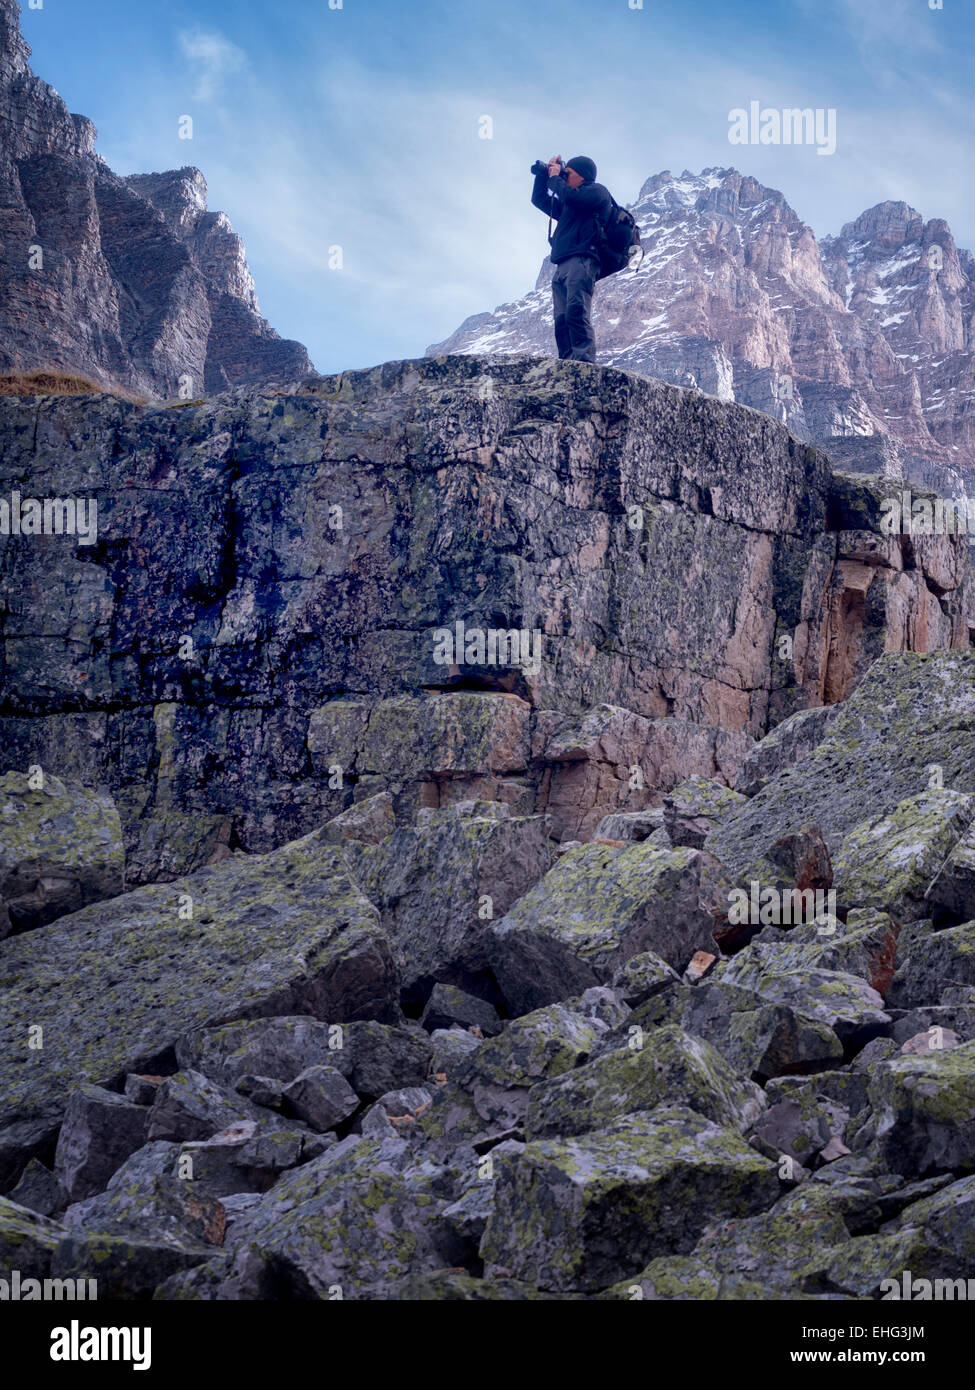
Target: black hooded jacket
576,211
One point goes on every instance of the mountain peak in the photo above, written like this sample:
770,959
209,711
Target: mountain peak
14,51
864,335
129,282
889,224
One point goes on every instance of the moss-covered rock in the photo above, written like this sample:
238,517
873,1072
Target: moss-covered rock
27,1241
844,1003
947,1218
905,726
440,884
866,946
597,907
694,807
923,1108
936,961
670,1063
954,886
111,988
583,1214
758,1037
680,1278
359,1218
60,849
787,744
891,860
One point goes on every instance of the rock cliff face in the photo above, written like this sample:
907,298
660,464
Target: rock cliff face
863,338
267,627
127,281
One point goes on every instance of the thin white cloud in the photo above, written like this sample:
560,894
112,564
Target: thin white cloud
213,58
876,26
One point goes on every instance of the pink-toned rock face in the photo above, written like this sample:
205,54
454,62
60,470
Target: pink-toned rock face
865,334
80,247
683,572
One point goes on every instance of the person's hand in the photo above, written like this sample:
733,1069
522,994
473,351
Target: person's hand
555,165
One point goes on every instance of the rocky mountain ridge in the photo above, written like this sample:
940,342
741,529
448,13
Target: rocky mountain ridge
129,282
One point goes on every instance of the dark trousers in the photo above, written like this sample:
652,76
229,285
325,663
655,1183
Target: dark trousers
572,287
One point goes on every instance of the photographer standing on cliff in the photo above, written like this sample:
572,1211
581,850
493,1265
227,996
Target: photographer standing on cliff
571,197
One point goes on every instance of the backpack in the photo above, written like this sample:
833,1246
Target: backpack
617,240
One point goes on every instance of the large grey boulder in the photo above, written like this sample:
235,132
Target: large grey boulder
114,986
580,1214
321,1097
904,730
343,1226
670,1063
439,885
695,807
923,1111
953,887
27,1240
936,961
60,849
191,1106
760,1037
891,861
373,1057
787,744
595,909
100,1130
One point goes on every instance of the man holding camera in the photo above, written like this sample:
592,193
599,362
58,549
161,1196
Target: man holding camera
570,195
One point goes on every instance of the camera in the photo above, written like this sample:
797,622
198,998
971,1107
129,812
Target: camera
541,166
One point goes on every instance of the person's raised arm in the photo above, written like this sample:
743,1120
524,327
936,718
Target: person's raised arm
588,198
546,184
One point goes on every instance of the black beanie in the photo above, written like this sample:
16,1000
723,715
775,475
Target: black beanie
584,166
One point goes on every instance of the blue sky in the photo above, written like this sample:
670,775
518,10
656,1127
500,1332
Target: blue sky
359,127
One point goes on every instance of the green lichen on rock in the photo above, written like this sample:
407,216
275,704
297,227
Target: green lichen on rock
629,1080
60,848
114,985
27,1241
905,726
924,1111
584,1213
890,862
597,907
